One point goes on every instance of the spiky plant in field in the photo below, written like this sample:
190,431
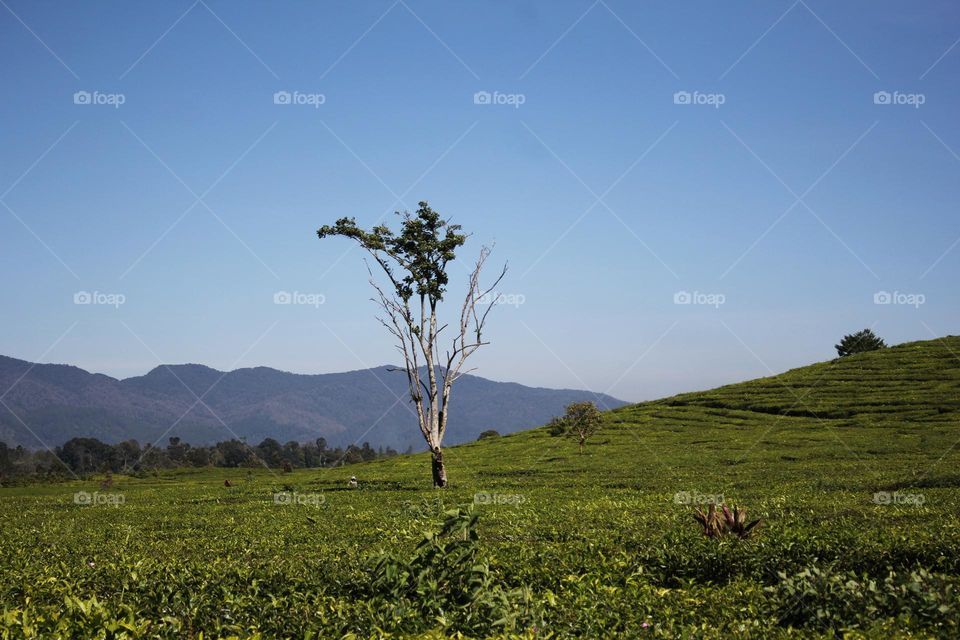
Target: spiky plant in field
716,524
709,521
735,522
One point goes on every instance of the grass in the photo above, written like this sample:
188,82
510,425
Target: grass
595,545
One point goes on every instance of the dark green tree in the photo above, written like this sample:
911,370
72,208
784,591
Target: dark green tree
271,452
859,342
415,262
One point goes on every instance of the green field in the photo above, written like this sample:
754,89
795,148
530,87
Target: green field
853,465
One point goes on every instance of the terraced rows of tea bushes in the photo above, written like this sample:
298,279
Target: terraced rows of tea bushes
914,382
860,532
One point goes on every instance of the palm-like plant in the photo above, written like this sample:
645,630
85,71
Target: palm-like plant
735,522
716,524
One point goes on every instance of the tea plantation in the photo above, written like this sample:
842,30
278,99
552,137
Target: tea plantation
852,465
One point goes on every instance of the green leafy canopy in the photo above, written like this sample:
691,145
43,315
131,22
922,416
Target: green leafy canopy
424,246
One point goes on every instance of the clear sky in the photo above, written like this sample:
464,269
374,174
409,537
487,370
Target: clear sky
781,191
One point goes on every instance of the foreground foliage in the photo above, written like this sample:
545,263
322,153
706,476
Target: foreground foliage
857,487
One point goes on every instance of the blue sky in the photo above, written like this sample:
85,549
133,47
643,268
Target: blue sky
778,190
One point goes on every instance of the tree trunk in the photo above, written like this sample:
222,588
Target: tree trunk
439,471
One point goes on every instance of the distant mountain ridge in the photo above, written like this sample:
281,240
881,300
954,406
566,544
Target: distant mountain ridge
55,402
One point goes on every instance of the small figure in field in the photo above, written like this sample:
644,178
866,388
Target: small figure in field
226,483
353,482
107,482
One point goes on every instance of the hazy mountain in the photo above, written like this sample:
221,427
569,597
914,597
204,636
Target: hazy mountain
51,403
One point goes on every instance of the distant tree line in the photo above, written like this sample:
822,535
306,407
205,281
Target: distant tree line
89,455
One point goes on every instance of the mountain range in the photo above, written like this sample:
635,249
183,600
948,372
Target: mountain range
47,404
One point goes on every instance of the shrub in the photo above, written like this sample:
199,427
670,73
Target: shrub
828,599
581,420
446,580
859,342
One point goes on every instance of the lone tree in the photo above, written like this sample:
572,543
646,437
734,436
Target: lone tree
859,342
415,262
581,420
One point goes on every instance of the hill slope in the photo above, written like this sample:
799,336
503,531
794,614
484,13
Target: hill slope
848,415
57,402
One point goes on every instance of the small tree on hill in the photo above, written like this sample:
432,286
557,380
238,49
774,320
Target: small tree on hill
859,342
415,263
581,420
